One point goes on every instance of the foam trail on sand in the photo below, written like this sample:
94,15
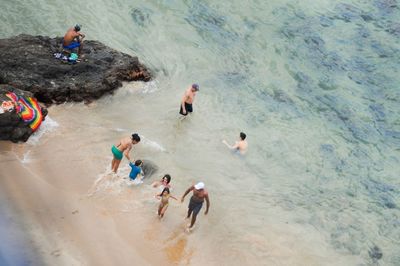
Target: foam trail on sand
26,159
152,144
141,87
47,126
110,183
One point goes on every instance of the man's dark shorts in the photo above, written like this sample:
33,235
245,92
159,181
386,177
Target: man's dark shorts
195,206
188,107
72,45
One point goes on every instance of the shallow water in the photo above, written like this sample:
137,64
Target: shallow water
314,87
16,247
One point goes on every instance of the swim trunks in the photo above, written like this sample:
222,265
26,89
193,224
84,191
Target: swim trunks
188,107
195,206
117,153
72,45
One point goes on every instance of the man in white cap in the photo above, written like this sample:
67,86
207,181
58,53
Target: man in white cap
196,201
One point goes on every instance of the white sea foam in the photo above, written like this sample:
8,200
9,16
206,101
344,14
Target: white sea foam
140,87
152,144
47,126
25,157
110,183
306,167
120,129
150,87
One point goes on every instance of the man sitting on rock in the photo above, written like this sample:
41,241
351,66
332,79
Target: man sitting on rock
73,39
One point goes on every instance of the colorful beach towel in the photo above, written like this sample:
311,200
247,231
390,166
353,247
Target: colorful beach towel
28,109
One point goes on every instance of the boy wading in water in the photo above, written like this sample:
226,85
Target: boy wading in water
123,148
164,196
135,169
196,202
240,145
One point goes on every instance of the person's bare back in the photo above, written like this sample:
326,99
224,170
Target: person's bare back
70,36
124,144
123,147
73,38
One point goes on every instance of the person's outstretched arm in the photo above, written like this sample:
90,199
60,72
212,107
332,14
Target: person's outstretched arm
186,192
126,152
207,204
229,146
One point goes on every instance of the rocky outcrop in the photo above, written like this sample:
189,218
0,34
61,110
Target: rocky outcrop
12,125
29,68
28,63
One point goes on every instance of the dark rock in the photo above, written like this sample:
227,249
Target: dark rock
388,201
392,134
380,49
375,253
12,126
378,186
281,96
386,6
304,82
327,83
394,29
347,12
211,25
27,62
29,68
325,21
378,111
141,16
364,32
149,168
327,149
367,17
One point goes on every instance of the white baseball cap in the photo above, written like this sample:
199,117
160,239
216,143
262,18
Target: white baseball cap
199,185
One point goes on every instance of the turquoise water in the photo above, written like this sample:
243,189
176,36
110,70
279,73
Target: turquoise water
314,86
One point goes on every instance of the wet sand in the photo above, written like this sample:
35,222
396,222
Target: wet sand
76,213
66,224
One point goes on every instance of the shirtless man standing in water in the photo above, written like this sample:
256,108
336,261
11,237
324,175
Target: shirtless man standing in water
196,202
240,145
123,148
187,100
73,39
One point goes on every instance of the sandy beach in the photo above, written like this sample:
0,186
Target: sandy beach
74,212
313,84
69,221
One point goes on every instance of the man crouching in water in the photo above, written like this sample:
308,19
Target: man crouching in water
123,148
73,39
196,202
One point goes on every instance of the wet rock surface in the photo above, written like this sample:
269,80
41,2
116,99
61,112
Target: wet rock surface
12,126
28,63
29,67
